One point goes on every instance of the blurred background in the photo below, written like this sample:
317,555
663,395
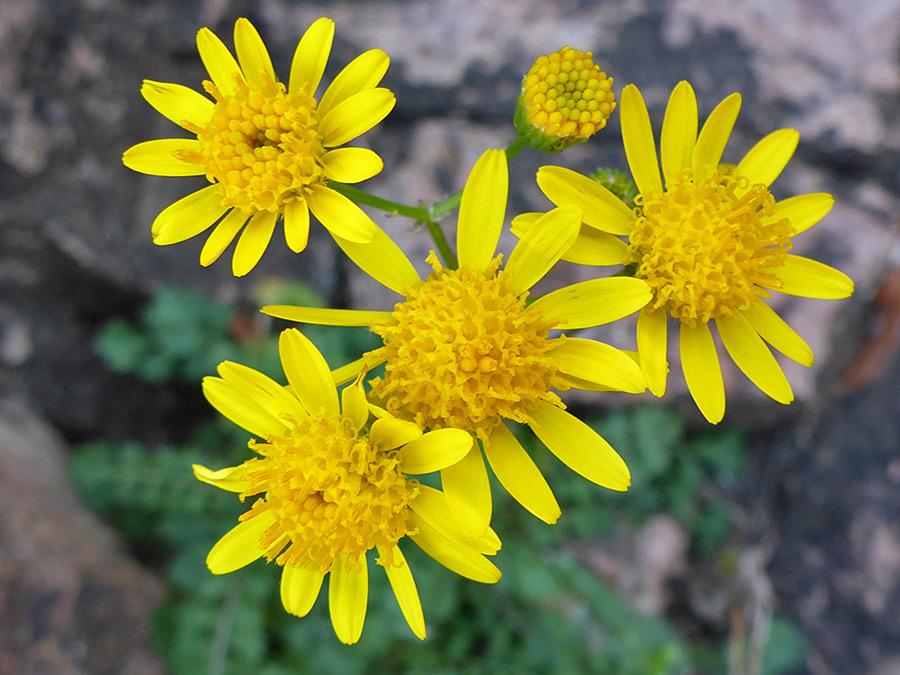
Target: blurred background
769,544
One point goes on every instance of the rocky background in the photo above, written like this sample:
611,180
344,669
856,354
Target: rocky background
822,508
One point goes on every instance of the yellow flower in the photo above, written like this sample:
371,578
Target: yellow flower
328,487
709,239
565,99
268,150
463,350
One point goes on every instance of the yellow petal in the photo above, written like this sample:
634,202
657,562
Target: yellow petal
637,136
382,260
521,477
542,247
222,236
714,136
753,357
326,317
240,546
653,345
355,115
601,209
482,210
188,217
219,62
229,479
468,492
264,390
340,216
773,329
580,448
769,156
296,225
253,242
351,165
311,56
354,406
391,432
307,372
405,590
679,131
432,505
435,450
299,588
594,302
361,74
178,103
348,596
802,211
600,364
157,158
353,369
812,279
252,54
701,371
593,247
450,553
236,406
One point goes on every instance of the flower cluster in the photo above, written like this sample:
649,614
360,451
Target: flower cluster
469,354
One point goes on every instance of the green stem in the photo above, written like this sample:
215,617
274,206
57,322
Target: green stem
393,208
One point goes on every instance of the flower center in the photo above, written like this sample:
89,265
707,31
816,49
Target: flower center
333,494
706,249
462,351
261,145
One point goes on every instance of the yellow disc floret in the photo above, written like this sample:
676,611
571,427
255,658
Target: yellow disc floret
706,249
261,145
332,493
462,351
565,99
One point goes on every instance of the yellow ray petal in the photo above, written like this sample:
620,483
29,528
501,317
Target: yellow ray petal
653,345
753,357
354,406
229,479
521,477
450,553
580,448
593,247
600,364
348,597
405,590
769,156
296,225
222,236
178,103
542,247
236,406
188,217
482,210
468,492
299,588
240,545
701,371
158,158
219,62
351,165
311,56
773,329
361,74
812,279
307,372
252,54
264,390
382,260
253,242
435,450
340,216
637,136
355,115
594,302
432,506
352,370
391,432
714,137
679,131
601,209
802,211
326,317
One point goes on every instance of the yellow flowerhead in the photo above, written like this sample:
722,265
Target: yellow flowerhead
269,151
565,100
709,239
463,350
328,487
